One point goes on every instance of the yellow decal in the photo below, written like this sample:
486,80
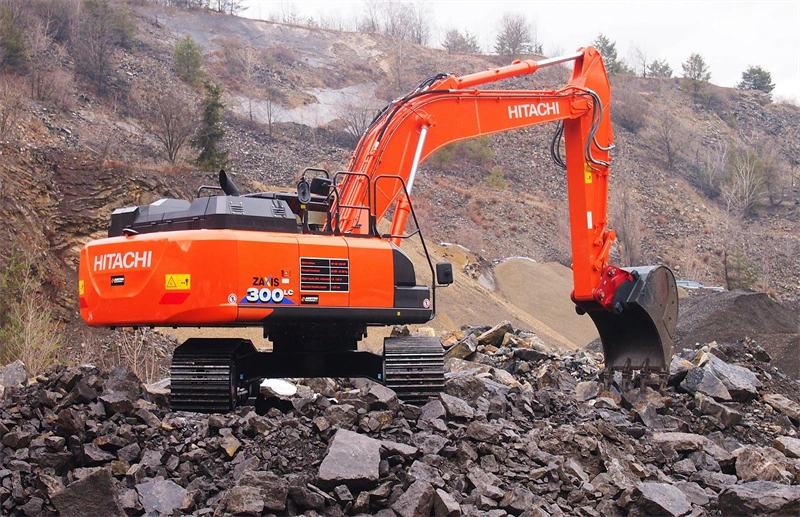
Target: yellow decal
587,173
81,287
178,282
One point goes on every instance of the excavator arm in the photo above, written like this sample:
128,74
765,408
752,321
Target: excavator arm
635,310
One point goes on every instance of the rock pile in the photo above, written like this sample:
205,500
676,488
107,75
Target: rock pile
519,430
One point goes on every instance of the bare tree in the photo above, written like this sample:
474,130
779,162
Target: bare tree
421,17
357,115
627,223
640,60
670,140
171,117
92,50
516,36
745,184
712,170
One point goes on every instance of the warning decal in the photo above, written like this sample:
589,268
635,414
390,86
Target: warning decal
177,282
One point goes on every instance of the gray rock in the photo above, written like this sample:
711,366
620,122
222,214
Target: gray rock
761,464
422,471
483,431
786,406
531,355
486,483
444,505
429,443
727,416
341,415
464,386
456,407
678,368
273,490
343,493
713,480
406,451
681,442
761,498
353,460
122,380
160,497
517,500
306,498
417,501
95,491
379,397
586,390
431,411
14,375
463,349
494,336
94,455
789,446
742,384
245,500
705,382
693,492
662,499
117,402
33,506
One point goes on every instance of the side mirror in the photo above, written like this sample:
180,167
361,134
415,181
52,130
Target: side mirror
444,273
320,186
303,191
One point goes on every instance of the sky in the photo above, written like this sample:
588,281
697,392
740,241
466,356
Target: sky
731,35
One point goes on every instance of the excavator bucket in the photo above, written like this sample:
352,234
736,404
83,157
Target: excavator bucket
638,334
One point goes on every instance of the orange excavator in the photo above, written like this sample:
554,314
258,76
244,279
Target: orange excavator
313,270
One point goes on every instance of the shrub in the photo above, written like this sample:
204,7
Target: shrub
496,180
630,111
28,330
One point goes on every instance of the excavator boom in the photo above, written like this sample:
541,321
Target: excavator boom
637,333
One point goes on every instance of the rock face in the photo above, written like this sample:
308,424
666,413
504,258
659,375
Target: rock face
513,434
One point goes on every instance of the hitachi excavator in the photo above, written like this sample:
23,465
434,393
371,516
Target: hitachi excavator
313,270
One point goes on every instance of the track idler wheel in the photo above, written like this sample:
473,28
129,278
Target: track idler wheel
638,333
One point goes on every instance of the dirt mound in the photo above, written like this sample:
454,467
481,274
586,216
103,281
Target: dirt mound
543,290
733,316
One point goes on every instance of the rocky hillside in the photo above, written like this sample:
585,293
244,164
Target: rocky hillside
519,430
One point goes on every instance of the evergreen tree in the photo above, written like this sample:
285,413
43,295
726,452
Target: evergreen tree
756,78
696,75
608,49
189,60
12,40
659,68
457,43
211,131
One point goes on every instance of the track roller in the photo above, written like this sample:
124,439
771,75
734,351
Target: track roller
414,367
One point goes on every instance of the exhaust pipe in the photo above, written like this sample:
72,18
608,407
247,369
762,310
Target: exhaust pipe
227,185
639,332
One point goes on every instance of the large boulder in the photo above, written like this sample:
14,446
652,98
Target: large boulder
96,492
353,460
761,498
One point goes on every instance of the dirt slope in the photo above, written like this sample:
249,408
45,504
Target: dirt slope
730,317
544,290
